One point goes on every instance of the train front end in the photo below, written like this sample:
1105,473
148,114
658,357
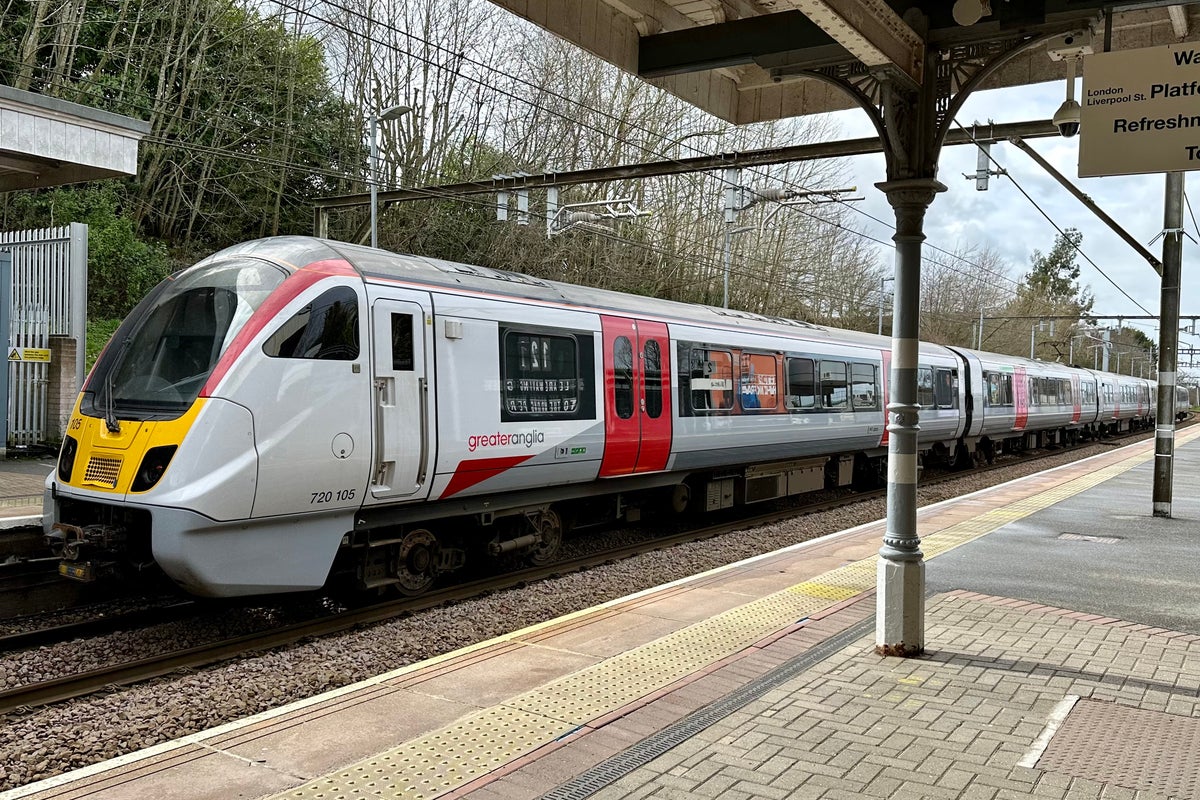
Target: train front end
148,444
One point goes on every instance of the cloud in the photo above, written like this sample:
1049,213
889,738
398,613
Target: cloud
1003,219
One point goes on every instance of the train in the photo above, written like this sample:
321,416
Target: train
294,412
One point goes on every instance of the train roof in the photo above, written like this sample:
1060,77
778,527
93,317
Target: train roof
298,251
295,252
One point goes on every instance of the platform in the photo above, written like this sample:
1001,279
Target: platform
22,481
1062,661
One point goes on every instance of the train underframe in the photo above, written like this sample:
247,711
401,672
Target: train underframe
405,550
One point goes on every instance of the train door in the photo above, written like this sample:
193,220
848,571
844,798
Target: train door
401,342
1021,395
637,397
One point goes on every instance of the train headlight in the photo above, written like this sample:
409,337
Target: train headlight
154,464
66,458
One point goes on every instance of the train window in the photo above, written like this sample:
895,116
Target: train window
835,389
402,342
711,380
623,377
864,386
999,389
925,387
945,388
802,384
759,384
541,377
325,329
653,374
1087,393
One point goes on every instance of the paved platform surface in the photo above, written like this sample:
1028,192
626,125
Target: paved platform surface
1062,661
22,480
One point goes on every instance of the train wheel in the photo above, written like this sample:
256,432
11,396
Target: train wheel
416,562
550,535
681,498
962,457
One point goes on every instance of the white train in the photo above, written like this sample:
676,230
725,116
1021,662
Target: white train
293,410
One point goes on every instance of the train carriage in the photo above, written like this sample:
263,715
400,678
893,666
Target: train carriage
294,411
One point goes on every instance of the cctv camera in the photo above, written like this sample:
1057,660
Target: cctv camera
1066,119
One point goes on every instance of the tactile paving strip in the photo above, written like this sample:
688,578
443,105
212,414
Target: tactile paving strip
441,761
629,676
1123,746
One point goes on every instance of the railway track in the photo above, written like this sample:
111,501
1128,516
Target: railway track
97,680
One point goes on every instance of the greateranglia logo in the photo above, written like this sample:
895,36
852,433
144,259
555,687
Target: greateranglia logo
524,438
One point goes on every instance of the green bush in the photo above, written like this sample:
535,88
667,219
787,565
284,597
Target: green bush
122,267
99,331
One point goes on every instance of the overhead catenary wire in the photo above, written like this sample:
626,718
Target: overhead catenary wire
649,151
1051,220
284,164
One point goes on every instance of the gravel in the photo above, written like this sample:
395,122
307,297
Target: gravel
40,743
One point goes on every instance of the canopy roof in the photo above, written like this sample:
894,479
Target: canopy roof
752,60
47,142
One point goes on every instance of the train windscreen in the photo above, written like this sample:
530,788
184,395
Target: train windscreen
162,354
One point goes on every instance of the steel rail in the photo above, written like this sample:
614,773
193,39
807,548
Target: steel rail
93,681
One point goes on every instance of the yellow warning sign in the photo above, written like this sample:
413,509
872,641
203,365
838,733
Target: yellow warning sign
35,354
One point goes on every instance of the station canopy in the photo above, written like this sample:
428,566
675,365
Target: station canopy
749,61
48,142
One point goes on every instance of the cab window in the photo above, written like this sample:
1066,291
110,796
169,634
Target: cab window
326,329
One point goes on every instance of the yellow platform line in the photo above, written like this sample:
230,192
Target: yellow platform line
486,740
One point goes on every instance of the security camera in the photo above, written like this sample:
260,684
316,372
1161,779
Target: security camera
1066,119
1069,48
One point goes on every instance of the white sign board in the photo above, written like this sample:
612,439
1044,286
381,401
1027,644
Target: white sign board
1140,111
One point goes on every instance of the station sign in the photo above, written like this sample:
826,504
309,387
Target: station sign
39,355
1140,111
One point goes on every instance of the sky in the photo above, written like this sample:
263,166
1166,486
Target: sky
1003,219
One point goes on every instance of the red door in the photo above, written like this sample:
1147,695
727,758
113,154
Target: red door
637,397
1021,392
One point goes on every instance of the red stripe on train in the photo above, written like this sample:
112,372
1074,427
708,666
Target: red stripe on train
469,473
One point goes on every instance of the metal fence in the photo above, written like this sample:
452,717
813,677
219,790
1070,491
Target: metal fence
49,298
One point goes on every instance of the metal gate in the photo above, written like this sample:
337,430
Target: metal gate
49,298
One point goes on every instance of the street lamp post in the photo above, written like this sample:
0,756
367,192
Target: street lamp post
389,113
982,309
730,232
884,279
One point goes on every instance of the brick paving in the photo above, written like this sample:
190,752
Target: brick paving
1013,699
955,723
